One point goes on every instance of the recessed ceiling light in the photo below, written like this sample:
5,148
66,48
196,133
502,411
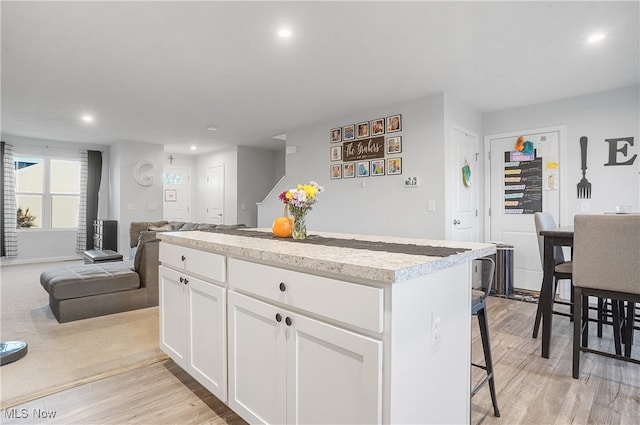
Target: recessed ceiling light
194,147
284,33
594,38
87,118
212,128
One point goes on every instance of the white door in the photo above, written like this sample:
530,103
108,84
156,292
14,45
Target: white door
257,360
333,375
176,205
207,336
173,315
464,219
520,186
215,194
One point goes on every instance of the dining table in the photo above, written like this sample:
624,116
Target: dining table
560,236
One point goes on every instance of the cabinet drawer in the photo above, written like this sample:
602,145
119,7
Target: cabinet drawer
357,305
202,263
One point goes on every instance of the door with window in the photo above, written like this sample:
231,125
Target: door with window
176,204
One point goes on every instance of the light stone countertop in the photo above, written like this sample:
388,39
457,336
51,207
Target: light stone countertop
386,267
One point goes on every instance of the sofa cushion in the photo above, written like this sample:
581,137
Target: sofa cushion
90,279
140,226
163,228
206,226
145,237
189,226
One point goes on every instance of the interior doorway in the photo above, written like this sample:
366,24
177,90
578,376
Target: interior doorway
215,194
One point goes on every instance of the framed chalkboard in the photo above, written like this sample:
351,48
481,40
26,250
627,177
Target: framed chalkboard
522,184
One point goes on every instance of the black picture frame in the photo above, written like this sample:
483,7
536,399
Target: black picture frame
377,127
394,123
362,169
335,171
394,166
394,145
348,170
335,153
348,132
378,167
363,130
336,135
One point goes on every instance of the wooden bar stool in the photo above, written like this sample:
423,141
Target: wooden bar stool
479,309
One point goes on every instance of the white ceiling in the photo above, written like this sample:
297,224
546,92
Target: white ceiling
162,72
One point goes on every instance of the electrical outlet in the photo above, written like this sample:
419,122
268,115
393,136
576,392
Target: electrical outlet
584,206
436,329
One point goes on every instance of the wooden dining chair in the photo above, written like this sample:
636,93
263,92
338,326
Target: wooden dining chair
563,269
606,264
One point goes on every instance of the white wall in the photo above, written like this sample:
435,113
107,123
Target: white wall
600,116
383,206
256,171
58,244
131,201
249,174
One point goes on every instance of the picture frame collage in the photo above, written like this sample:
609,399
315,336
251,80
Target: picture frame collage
390,164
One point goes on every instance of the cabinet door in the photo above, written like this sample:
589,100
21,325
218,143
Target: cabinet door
257,360
207,360
333,375
173,315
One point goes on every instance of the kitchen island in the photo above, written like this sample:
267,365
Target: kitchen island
290,332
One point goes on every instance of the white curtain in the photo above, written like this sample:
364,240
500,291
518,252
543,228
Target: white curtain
81,242
10,212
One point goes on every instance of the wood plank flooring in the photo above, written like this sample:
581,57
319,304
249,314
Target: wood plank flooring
531,390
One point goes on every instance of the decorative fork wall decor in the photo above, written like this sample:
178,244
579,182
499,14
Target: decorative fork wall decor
584,187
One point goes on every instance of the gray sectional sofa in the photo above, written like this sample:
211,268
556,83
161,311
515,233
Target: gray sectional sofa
89,290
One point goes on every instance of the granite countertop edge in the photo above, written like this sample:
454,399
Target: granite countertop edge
358,263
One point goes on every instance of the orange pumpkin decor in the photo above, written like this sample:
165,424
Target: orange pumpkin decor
283,226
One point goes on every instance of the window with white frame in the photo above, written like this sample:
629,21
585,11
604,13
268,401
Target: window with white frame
47,192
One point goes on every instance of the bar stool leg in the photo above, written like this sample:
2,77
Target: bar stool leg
617,337
585,321
486,346
628,328
602,305
577,324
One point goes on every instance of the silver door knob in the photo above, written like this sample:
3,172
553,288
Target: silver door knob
456,221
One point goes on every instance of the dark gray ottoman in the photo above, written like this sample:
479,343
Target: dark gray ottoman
101,256
79,292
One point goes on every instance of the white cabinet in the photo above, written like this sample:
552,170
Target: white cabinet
193,327
285,367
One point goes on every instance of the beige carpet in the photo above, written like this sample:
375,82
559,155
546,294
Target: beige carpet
63,355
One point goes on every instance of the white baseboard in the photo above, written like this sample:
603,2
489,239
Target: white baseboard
10,261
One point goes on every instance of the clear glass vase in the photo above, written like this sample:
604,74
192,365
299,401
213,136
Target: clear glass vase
299,227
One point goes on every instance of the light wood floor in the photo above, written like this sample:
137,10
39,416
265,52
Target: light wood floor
531,390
